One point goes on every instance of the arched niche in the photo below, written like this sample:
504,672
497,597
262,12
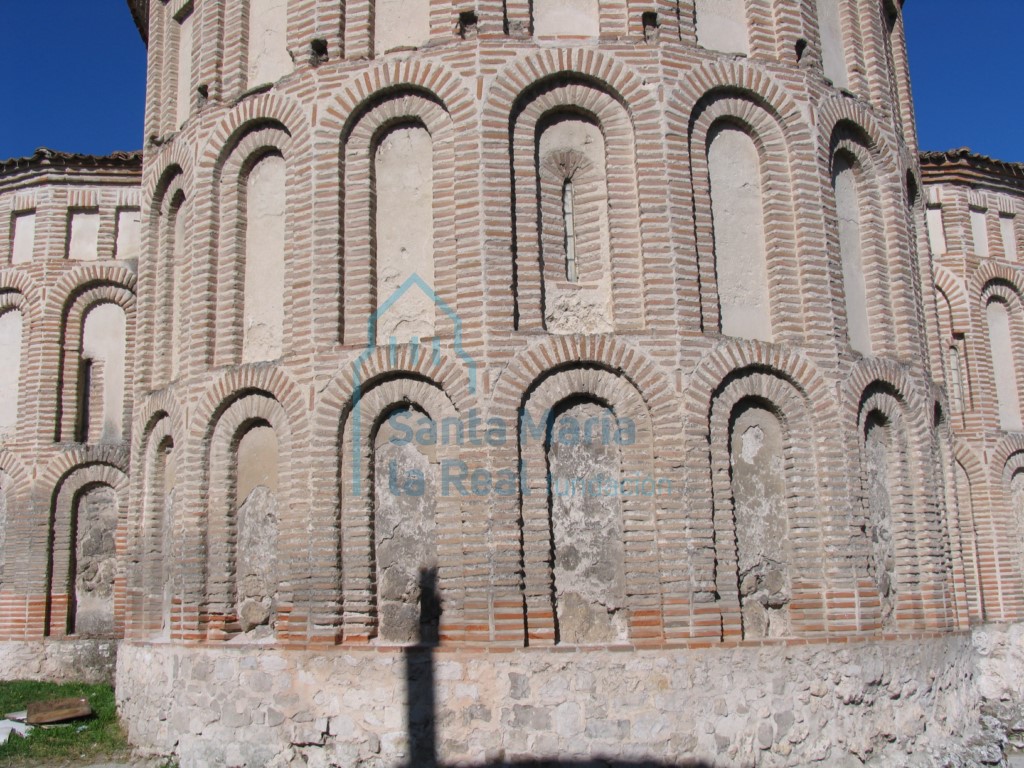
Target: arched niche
403,183
1004,369
157,554
737,202
11,330
848,201
264,274
102,375
588,571
406,487
759,497
575,236
256,510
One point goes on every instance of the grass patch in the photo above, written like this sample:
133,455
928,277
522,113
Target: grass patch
99,736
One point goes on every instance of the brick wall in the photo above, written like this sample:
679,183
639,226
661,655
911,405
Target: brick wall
657,97
976,206
45,469
666,367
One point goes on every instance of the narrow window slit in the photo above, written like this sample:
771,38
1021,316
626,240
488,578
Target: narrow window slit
568,217
85,398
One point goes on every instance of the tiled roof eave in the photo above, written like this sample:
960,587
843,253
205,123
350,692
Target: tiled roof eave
140,12
966,167
47,159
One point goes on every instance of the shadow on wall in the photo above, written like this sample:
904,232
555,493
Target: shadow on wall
422,700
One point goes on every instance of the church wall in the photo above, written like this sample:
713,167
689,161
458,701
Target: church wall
533,333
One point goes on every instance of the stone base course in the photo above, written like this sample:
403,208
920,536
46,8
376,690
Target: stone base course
922,702
59,661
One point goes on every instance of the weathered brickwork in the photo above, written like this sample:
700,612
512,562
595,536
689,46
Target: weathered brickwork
655,283
70,231
975,227
661,362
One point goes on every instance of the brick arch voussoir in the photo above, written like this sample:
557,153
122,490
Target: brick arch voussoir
735,355
952,288
768,134
253,145
609,112
1008,457
991,278
902,401
368,126
264,111
13,299
68,463
170,161
600,70
600,384
257,380
547,356
154,408
385,396
968,458
834,113
14,281
885,402
246,406
79,304
170,185
93,473
115,284
446,372
758,86
784,395
351,103
12,467
872,372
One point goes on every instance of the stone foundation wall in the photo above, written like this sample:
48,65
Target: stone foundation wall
59,661
913,702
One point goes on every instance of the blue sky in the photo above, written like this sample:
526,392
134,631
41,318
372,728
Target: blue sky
74,76
965,67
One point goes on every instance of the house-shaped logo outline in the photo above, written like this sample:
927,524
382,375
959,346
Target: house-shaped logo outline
413,281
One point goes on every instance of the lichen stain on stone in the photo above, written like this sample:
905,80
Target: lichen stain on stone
759,496
96,563
589,556
405,534
257,574
883,554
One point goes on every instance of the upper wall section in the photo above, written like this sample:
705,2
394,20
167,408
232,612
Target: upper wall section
203,52
70,239
975,207
59,206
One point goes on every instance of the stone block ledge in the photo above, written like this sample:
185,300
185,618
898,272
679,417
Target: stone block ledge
59,660
900,702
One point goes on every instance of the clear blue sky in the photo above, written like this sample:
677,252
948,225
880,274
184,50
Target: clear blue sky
74,75
966,71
